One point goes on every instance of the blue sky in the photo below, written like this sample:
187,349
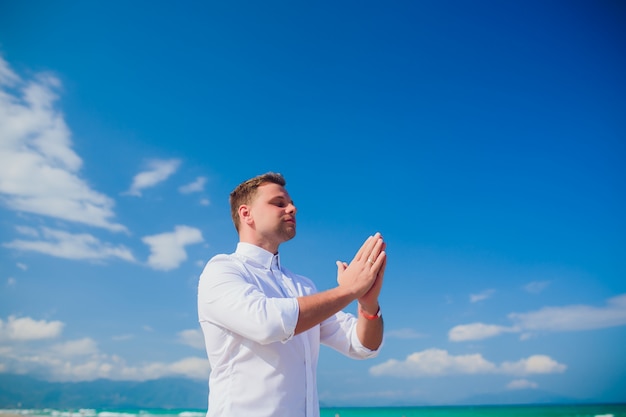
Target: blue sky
486,141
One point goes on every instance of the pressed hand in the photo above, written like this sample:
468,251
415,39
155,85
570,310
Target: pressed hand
369,301
362,273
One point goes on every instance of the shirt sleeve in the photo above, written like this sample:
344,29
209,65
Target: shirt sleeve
229,300
339,332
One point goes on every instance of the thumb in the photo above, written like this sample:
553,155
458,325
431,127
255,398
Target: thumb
341,266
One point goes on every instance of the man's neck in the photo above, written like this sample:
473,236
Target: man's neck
270,247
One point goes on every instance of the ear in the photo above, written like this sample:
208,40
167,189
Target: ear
245,214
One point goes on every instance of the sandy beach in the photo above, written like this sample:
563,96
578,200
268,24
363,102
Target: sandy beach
9,414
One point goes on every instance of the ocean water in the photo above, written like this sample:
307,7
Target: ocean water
578,410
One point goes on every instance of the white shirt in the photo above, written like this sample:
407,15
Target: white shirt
248,312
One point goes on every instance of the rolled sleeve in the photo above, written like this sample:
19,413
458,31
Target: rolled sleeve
339,332
228,298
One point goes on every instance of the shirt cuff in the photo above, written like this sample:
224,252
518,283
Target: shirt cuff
359,349
291,311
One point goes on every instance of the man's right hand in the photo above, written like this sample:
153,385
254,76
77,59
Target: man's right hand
361,274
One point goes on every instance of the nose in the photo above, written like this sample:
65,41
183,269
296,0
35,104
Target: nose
291,208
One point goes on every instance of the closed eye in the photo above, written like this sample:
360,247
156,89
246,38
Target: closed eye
281,202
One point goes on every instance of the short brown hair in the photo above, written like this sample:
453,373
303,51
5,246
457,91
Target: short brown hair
245,192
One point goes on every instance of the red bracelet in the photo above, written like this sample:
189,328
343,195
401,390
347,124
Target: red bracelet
367,316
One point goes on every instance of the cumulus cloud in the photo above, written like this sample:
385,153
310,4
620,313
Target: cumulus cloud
7,76
474,298
434,362
521,384
192,367
192,337
575,317
158,171
90,366
167,250
438,362
27,329
477,331
67,245
39,170
550,319
536,364
79,347
193,187
79,359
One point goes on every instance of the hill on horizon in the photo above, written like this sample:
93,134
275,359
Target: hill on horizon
19,391
25,392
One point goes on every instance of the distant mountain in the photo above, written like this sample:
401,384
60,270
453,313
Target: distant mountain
18,391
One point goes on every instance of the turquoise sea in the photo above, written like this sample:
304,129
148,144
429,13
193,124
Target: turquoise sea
578,410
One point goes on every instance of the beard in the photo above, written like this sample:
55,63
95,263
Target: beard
287,231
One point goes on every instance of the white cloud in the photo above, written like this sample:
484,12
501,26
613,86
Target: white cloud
536,287
11,282
27,231
91,366
434,362
536,364
7,76
474,298
521,384
22,266
192,367
477,331
158,171
167,250
81,359
205,202
193,187
552,319
39,170
404,334
66,245
72,348
25,329
574,317
192,337
438,362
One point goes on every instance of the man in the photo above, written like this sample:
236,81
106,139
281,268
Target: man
263,324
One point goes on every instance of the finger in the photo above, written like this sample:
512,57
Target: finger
341,266
381,271
380,262
370,244
362,249
371,241
376,249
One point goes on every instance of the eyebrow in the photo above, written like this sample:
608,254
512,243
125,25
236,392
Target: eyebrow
282,197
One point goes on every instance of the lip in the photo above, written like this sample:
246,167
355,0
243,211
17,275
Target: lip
290,221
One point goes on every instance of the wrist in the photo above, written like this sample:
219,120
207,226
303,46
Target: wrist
370,309
368,316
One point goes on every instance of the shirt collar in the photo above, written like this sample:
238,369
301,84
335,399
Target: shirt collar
257,254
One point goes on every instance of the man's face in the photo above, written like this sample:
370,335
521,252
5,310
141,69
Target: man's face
274,213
